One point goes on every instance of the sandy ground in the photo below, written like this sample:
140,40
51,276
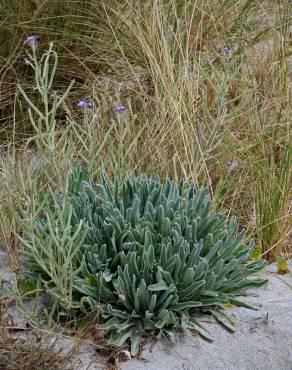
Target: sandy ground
263,339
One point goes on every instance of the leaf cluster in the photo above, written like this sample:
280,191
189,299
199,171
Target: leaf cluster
149,255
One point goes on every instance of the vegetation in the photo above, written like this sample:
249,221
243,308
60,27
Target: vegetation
147,255
181,89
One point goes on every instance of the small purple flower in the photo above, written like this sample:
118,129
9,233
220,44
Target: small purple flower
226,50
84,103
31,40
119,108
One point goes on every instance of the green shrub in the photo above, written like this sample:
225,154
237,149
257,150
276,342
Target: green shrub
149,256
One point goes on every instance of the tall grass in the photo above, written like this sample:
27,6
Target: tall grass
214,116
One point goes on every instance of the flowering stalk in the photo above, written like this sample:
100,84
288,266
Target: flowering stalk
122,130
44,119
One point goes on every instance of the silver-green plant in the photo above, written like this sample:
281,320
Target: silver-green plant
43,119
149,256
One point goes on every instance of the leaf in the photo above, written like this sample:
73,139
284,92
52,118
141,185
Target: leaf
158,287
82,287
164,319
152,303
223,319
110,324
184,305
243,304
184,320
118,339
135,342
107,276
193,324
172,335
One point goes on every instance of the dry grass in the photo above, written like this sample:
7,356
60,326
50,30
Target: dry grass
220,120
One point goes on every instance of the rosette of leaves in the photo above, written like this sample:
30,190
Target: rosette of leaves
152,255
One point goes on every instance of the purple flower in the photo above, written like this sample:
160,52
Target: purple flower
84,103
226,50
31,40
119,108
